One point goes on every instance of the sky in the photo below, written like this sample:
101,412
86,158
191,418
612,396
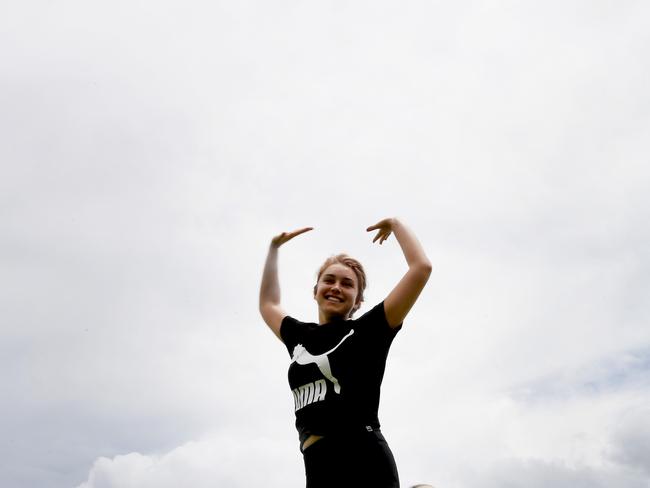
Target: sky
150,150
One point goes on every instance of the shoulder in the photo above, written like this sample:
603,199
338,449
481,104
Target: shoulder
291,329
376,318
288,325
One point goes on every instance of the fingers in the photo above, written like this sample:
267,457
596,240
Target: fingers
287,236
382,224
379,225
383,234
295,233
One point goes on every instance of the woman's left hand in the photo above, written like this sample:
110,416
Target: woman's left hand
384,229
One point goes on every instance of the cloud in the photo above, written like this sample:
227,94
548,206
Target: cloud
588,429
576,434
150,152
223,461
632,440
533,473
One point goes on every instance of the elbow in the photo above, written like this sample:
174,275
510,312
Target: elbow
268,297
264,305
423,270
420,272
263,310
425,267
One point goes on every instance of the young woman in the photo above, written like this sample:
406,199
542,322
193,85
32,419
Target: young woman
337,364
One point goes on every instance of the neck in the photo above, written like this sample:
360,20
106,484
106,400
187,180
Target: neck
324,317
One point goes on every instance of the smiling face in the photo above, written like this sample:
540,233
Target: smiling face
336,293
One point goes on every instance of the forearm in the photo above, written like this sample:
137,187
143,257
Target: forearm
270,287
411,247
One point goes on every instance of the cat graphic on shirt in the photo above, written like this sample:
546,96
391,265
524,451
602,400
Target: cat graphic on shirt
303,357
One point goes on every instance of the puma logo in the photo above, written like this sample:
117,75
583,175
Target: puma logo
313,392
309,393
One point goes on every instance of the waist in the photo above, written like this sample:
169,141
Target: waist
346,432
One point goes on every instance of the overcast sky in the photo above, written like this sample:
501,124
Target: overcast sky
151,149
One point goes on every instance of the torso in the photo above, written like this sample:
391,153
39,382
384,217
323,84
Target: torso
335,372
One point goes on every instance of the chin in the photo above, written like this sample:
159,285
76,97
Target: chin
336,311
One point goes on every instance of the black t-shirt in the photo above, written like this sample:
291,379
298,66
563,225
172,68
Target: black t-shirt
336,371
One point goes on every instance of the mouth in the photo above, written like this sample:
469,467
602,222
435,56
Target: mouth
331,298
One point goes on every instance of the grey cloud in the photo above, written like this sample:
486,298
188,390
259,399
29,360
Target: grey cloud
538,474
632,440
626,370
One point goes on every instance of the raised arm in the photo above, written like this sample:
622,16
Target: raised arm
269,305
399,301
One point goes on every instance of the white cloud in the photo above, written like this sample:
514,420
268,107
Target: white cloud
223,461
584,436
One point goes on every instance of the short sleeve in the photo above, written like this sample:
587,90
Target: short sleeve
375,319
289,332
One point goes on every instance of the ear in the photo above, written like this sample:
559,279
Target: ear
315,288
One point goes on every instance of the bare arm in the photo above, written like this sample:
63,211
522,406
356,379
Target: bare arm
401,299
269,304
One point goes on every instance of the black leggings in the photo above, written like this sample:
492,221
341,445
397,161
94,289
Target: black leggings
360,460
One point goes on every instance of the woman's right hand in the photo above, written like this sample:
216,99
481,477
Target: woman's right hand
278,240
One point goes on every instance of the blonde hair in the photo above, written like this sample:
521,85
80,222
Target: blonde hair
355,266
